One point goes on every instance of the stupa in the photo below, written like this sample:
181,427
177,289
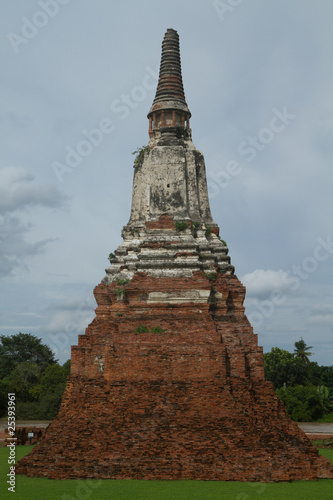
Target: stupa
168,380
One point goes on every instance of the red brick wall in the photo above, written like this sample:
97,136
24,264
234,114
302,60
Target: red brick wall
174,430
187,403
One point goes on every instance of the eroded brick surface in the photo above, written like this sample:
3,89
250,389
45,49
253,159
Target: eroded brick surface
186,403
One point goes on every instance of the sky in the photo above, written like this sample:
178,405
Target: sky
78,78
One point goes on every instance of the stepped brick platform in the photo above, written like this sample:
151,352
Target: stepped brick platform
187,402
168,380
174,430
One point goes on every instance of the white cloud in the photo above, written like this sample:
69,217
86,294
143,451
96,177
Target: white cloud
261,283
66,320
256,60
14,249
18,191
321,319
321,315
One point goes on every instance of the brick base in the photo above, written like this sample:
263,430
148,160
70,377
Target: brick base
168,383
164,430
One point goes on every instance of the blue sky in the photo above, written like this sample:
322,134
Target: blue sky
258,81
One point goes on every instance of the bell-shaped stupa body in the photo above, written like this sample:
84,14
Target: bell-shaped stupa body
171,179
170,195
168,380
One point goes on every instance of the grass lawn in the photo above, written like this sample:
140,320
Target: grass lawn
40,488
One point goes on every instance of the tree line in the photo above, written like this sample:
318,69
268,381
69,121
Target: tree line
29,369
305,387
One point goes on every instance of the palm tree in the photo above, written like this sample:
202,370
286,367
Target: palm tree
301,351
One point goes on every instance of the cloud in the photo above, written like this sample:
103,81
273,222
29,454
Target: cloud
69,316
257,59
262,284
66,320
18,191
321,314
321,319
14,249
323,308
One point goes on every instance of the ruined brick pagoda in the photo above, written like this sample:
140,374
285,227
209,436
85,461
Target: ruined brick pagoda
168,380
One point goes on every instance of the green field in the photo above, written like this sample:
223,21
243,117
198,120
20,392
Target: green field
39,488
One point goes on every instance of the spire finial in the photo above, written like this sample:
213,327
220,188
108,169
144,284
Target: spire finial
169,107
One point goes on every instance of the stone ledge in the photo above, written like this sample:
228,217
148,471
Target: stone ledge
195,296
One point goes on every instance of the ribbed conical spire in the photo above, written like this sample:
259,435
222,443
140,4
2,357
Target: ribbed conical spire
170,91
170,84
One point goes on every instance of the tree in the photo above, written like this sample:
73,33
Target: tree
301,351
327,376
321,375
23,347
303,402
67,367
53,377
49,403
326,398
50,389
22,379
38,393
281,367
